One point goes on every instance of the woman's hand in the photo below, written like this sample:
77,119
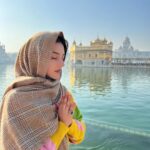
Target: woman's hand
72,103
64,109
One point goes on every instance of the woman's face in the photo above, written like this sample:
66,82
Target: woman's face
56,61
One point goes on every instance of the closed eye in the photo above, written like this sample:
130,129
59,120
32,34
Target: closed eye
58,57
54,58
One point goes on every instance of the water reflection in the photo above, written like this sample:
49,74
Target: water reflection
96,79
119,95
129,76
6,76
101,81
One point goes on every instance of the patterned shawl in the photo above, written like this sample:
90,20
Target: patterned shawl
28,115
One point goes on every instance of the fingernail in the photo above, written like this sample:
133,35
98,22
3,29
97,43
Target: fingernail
65,99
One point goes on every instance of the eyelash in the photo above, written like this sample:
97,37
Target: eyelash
56,58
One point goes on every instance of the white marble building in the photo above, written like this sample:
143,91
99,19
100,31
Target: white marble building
126,54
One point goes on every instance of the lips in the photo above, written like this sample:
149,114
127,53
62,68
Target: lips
58,71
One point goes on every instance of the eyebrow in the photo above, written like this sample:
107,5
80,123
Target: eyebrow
56,53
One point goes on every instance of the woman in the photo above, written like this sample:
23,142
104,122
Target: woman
37,111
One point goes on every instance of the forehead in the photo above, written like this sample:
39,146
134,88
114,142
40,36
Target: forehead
58,49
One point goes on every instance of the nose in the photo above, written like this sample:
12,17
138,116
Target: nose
62,63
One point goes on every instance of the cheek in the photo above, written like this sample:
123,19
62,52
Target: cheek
48,72
51,67
54,65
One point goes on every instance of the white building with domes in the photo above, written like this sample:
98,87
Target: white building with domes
126,54
6,57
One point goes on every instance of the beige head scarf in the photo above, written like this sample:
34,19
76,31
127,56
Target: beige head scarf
28,115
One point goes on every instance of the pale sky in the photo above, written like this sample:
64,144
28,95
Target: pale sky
80,20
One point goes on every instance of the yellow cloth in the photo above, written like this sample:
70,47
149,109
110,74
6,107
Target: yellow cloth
61,131
74,133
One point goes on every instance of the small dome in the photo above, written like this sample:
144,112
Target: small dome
74,42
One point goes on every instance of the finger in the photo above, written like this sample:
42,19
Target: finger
68,96
68,103
73,105
64,100
71,108
63,108
67,93
70,111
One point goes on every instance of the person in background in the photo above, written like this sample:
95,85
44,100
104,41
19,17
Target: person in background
37,112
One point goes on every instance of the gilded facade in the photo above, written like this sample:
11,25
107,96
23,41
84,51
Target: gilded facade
98,53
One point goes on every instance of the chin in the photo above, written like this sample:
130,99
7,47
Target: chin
56,77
